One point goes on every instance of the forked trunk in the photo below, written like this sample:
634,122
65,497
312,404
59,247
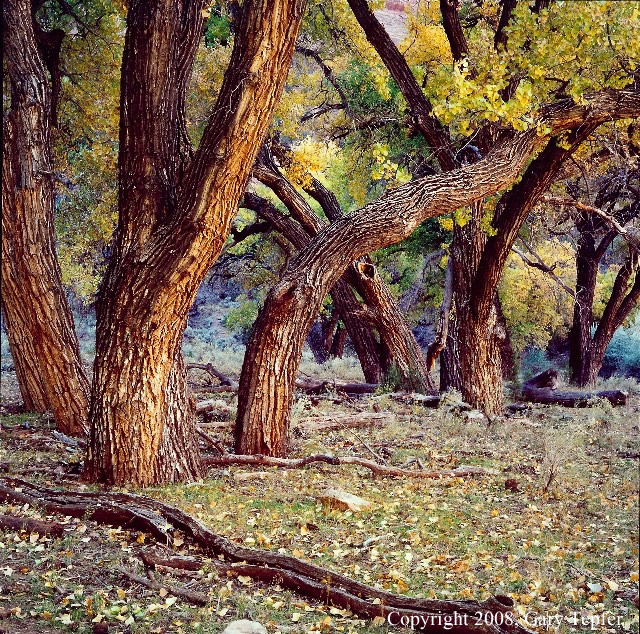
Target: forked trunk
38,318
176,208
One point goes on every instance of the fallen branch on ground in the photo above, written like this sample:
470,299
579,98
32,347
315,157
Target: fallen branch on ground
541,389
322,423
216,374
317,386
153,584
13,523
214,406
159,519
374,467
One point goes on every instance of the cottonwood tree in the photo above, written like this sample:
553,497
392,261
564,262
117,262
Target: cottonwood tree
605,213
176,207
379,332
490,80
273,352
40,329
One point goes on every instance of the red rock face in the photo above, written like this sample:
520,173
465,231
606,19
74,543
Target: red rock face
395,5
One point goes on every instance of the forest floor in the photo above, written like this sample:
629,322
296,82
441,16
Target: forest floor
554,524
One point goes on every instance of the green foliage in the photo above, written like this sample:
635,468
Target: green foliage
217,28
623,354
241,318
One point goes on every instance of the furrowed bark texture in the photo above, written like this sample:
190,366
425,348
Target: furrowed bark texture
42,339
472,362
176,210
273,354
395,349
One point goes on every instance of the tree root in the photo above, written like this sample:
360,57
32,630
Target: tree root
378,469
493,616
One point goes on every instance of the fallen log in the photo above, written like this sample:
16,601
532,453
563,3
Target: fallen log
214,406
317,386
377,469
13,523
322,423
542,389
426,400
160,519
343,421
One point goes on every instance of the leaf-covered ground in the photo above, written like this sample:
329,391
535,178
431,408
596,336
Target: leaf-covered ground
560,538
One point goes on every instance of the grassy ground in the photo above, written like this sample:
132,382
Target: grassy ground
563,543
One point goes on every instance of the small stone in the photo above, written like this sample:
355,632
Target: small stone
339,499
245,627
100,628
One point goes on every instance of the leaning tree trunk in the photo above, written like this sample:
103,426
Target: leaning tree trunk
39,323
274,351
176,209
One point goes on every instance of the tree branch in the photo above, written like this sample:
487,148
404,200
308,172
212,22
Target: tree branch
423,118
632,237
540,265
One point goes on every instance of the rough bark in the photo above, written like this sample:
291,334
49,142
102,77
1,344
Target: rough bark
395,352
160,520
275,348
175,214
39,323
472,361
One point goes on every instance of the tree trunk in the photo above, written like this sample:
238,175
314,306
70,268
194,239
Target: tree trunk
175,214
273,355
580,333
38,318
471,362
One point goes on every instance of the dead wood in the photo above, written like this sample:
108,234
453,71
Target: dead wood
425,400
541,389
342,421
153,584
13,523
374,467
210,441
317,386
159,519
216,374
154,560
323,423
213,406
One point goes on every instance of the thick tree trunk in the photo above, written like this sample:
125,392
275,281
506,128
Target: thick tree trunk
471,362
176,211
38,318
